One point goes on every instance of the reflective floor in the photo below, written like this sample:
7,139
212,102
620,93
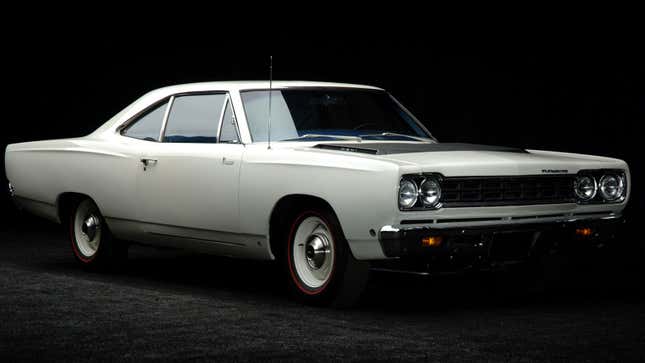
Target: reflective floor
174,305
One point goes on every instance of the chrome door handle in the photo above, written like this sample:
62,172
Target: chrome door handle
148,162
226,161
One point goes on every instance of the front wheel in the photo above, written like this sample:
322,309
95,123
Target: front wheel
92,243
321,268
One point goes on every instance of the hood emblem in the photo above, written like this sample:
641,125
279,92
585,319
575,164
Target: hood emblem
555,171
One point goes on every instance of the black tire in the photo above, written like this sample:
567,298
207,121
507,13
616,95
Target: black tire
109,252
348,276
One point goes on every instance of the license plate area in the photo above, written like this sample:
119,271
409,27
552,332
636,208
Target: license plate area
511,245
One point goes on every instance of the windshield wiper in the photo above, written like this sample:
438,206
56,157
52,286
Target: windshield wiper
418,138
341,137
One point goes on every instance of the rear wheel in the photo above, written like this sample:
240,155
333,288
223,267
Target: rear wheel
321,269
92,243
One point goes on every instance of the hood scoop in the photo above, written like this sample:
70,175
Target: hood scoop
347,147
404,148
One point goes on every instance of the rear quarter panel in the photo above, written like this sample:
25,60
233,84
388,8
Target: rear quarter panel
41,171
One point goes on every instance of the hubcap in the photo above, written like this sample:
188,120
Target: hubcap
89,226
312,252
316,250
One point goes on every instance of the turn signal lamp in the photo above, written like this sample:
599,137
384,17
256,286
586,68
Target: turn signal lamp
584,232
431,241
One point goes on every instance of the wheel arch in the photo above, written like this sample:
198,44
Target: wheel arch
66,201
284,209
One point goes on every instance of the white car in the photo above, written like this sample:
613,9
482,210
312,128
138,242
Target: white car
329,179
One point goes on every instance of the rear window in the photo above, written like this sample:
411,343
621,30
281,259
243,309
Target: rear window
148,126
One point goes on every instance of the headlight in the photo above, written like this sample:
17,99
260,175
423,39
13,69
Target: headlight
430,192
585,187
408,194
611,187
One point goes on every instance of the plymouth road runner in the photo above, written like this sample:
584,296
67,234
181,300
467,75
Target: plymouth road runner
328,179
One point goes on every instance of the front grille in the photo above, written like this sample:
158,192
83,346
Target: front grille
491,191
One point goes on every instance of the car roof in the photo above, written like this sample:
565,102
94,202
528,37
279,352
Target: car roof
249,85
228,86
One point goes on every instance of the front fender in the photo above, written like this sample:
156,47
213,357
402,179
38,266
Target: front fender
360,191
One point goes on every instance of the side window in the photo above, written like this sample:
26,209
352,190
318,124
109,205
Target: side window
228,132
194,118
148,126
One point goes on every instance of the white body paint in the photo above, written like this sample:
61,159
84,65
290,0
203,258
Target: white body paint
219,197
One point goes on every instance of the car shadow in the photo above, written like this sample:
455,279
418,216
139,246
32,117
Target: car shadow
262,282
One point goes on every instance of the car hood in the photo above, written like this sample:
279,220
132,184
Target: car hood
457,159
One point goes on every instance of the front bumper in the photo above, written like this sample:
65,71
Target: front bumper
490,245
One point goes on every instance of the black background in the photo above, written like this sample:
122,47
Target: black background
577,95
581,93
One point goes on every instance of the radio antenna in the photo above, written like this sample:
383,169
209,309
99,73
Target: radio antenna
270,92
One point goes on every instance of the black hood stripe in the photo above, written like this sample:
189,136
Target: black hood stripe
404,148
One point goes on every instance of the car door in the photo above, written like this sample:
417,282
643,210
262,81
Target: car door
187,184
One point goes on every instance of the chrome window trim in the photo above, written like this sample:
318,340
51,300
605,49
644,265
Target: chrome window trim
164,121
196,93
121,129
228,102
414,119
221,118
240,118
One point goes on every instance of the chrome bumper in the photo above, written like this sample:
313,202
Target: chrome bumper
402,240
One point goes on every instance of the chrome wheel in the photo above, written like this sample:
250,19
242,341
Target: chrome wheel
87,229
312,252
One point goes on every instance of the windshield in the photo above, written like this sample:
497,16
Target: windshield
329,113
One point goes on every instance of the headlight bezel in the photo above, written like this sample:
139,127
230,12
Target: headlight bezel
414,201
577,182
437,195
621,187
597,175
418,180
